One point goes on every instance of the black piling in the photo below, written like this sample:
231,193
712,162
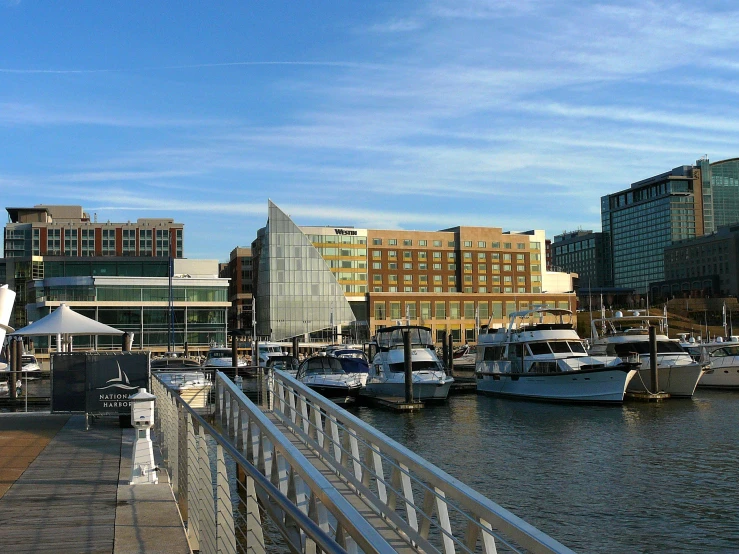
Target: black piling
235,353
408,366
653,358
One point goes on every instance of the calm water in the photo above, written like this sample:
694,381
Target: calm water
637,478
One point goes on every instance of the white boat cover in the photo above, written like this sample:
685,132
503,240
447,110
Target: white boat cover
65,321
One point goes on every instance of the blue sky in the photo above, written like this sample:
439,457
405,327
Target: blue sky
413,115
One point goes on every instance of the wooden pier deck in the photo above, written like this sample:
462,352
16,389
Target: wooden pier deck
66,490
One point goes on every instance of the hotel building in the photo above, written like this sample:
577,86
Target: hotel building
312,278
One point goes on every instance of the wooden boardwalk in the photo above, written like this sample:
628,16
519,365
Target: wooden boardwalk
68,499
65,501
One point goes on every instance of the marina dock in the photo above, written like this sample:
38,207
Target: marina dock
65,489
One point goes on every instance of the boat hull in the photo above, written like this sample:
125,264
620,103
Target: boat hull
421,391
721,376
602,386
679,381
337,394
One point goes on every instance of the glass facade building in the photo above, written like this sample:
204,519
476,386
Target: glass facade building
585,253
296,291
643,220
139,305
720,193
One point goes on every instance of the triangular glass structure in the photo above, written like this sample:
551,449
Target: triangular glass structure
296,291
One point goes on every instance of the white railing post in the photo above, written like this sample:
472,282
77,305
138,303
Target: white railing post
226,536
193,505
207,505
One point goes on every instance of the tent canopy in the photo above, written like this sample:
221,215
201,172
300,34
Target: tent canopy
64,321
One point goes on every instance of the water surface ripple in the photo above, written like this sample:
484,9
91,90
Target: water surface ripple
640,477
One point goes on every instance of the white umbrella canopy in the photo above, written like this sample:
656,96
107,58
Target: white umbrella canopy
65,321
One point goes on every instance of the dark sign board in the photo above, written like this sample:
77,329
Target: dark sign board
97,382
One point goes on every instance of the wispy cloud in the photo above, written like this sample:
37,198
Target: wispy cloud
396,25
14,113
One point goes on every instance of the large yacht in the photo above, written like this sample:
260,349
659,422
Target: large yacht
723,357
623,335
387,372
540,356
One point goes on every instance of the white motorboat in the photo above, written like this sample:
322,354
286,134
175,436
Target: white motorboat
623,335
723,357
192,386
353,361
540,356
325,375
267,350
220,356
387,373
30,368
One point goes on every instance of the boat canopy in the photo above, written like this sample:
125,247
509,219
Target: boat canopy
392,337
540,312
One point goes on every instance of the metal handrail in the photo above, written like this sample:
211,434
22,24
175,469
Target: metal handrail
232,405
360,456
265,489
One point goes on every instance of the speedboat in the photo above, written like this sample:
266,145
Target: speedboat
540,356
353,361
723,357
623,335
387,373
283,362
30,367
325,375
192,386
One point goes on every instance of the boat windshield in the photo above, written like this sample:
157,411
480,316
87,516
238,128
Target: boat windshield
558,347
425,365
393,338
350,354
320,365
725,351
219,354
642,347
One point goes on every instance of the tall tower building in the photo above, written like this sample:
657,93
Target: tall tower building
641,221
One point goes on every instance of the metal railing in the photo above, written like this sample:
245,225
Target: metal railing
435,511
273,479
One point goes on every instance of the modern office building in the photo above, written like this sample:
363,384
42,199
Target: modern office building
703,266
118,273
585,253
449,280
640,222
186,312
